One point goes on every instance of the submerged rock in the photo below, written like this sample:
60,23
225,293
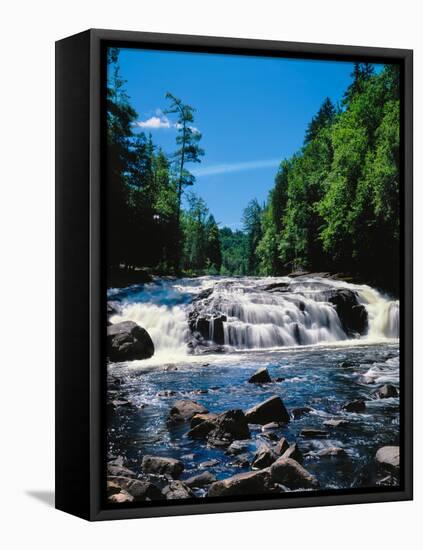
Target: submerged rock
389,458
249,483
335,423
261,376
290,473
127,341
385,391
159,465
184,410
332,452
271,410
357,406
313,432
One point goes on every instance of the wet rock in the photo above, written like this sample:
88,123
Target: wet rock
271,410
241,461
112,488
346,364
293,452
141,490
119,404
313,432
261,376
332,452
270,427
201,430
229,426
264,457
357,406
385,391
209,463
389,458
166,393
198,418
159,465
335,423
121,498
351,313
249,483
299,412
236,448
200,480
184,410
281,446
279,379
118,470
177,490
290,473
127,341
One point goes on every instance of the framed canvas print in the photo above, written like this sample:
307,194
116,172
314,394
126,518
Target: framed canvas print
234,274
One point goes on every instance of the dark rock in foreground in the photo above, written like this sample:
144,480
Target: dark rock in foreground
159,465
385,391
281,446
389,458
127,341
249,483
202,417
229,426
200,480
119,470
261,376
120,498
177,490
264,457
290,473
293,452
355,406
300,412
141,490
184,410
271,410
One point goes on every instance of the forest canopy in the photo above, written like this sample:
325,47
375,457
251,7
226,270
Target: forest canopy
333,206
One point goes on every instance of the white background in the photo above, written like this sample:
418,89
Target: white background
27,37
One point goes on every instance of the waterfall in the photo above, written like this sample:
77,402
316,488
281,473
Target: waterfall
256,313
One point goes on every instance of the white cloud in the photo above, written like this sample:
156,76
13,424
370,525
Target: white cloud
155,122
235,167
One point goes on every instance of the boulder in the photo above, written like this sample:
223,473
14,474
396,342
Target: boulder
385,391
201,430
357,406
290,473
389,458
293,452
271,410
313,432
299,412
127,341
229,426
119,470
200,480
160,465
177,490
236,448
141,490
261,376
121,497
281,446
351,313
264,457
184,410
202,417
249,483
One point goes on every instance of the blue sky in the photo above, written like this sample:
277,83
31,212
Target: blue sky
252,112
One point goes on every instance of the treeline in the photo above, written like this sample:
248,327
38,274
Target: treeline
335,204
146,223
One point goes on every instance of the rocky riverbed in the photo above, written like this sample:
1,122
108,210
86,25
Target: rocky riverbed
306,419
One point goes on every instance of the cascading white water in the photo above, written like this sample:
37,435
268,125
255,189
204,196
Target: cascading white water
258,313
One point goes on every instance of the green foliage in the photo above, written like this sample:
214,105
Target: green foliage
234,252
252,227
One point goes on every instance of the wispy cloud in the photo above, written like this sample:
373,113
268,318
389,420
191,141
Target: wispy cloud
234,167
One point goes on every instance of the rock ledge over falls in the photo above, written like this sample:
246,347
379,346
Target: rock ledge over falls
282,313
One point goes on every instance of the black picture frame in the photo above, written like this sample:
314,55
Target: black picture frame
80,272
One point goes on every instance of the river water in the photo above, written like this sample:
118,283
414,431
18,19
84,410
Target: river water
291,330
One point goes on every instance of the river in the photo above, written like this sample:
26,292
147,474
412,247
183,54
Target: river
292,327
